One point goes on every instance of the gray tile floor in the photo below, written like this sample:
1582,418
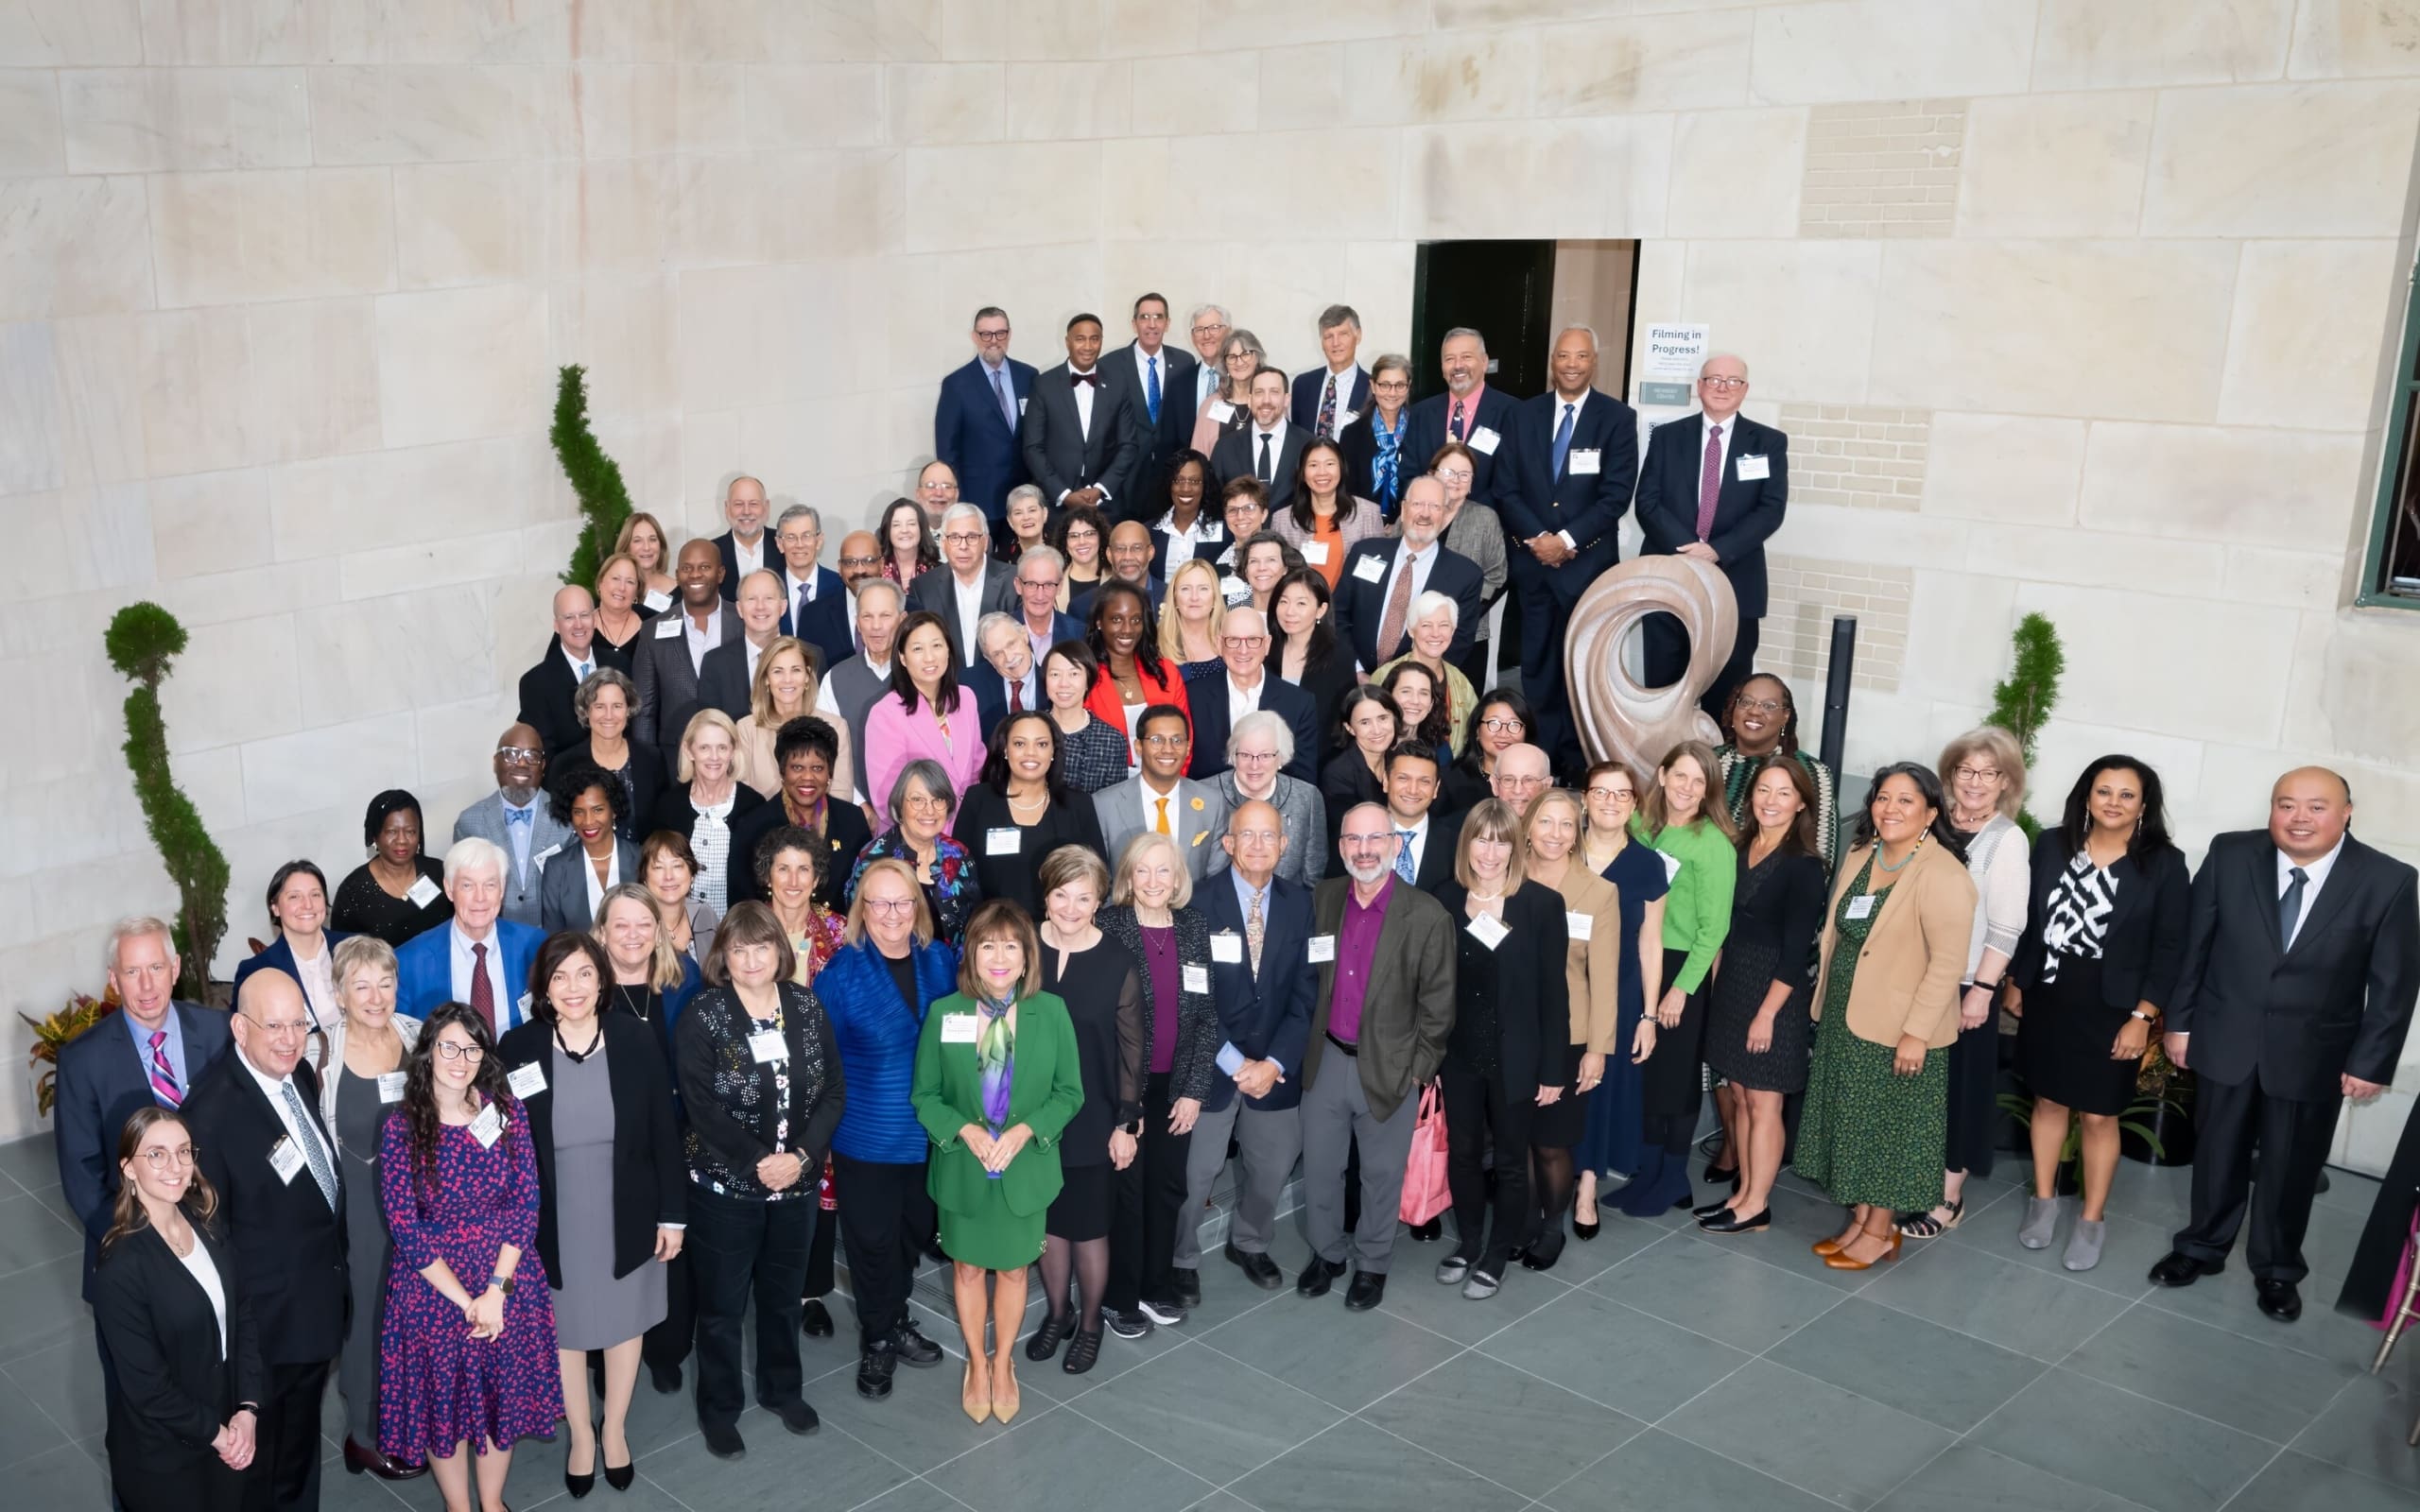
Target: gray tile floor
1653,1368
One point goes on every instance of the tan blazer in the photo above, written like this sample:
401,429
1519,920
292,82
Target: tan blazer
1594,965
1907,974
753,758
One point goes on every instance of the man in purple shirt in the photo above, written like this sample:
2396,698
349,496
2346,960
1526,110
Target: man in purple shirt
1385,958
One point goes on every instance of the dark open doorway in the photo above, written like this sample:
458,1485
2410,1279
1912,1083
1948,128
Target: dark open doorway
1518,294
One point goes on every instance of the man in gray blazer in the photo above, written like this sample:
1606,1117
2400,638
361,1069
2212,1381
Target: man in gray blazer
970,584
1195,813
672,650
514,816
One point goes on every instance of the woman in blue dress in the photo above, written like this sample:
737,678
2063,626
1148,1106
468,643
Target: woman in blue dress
1639,873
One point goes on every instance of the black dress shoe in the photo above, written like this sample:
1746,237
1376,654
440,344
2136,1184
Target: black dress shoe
384,1466
619,1478
875,1367
1259,1269
1584,1231
1187,1282
1542,1256
815,1319
1318,1275
1044,1342
913,1349
578,1485
2280,1300
1426,1232
1733,1223
722,1440
797,1416
2177,1268
1366,1291
1710,1208
666,1379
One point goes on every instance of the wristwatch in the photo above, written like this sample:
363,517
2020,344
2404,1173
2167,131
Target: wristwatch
500,1284
2138,1013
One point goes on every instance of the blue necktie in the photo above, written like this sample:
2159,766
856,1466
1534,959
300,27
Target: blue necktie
1403,857
1563,440
797,621
581,671
1000,393
2290,907
1152,387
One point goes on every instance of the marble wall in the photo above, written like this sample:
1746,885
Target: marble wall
282,284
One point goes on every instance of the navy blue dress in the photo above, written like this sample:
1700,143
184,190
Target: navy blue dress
1611,1142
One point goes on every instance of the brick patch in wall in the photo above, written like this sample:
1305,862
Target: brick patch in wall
1805,593
1885,169
1859,455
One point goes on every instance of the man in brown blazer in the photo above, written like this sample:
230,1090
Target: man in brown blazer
1385,958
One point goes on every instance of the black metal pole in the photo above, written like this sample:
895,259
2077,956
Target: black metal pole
1836,691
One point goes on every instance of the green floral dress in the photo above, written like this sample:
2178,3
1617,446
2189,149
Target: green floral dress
1869,1135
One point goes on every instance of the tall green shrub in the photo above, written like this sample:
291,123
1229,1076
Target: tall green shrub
2021,703
596,478
143,640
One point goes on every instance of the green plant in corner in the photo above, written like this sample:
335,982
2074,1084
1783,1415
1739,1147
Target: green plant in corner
596,478
143,640
82,1012
2022,704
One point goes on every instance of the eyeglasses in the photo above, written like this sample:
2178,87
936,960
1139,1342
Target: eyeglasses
1724,383
1241,640
162,1160
962,538
1756,706
1457,474
981,335
1166,742
1976,774
282,1027
1618,795
890,905
1052,586
520,753
1208,330
1502,725
922,801
449,1050
847,561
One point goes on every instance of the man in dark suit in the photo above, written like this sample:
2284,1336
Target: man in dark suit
1006,679
1425,838
1269,449
2300,971
1082,442
1382,575
744,547
1573,460
1040,571
976,424
1261,977
1210,327
670,652
970,584
815,604
1329,398
546,689
1713,488
1241,686
1158,383
258,1137
727,674
1471,410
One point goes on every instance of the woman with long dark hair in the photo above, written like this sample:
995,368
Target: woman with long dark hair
908,550
1324,520
1424,704
1304,650
1371,724
927,714
1134,675
1018,811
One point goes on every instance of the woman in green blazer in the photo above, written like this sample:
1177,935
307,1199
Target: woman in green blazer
997,1081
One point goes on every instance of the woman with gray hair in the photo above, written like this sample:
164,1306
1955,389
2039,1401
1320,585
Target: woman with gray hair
921,805
1257,751
1229,406
1434,619
603,704
1373,444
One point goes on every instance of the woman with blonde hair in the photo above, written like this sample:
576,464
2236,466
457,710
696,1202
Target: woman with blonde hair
1592,912
621,609
783,689
708,798
1193,617
1610,791
651,550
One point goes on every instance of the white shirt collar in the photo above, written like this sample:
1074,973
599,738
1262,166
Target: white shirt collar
272,1088
576,662
795,582
2315,873
1578,407
1276,432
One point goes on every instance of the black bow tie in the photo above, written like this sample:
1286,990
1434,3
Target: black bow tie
1074,378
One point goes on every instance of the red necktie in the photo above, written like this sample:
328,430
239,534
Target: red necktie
482,991
1016,696
1710,482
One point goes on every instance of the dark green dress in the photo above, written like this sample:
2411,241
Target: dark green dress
1869,1135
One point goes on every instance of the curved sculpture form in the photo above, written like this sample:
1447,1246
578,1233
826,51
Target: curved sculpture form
1618,716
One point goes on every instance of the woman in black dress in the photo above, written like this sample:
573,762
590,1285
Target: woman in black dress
603,704
2105,942
1304,650
399,891
1358,774
1755,1033
1018,811
1101,985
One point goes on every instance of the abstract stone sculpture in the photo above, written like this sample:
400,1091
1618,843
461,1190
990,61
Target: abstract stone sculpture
1618,715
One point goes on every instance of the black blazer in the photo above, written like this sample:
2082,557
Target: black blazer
1208,693
668,696
648,781
936,592
1309,385
845,832
1436,870
723,682
1533,993
1270,1015
1745,513
2335,1003
673,810
1195,1062
546,692
1061,456
2144,948
101,1083
651,1187
1013,875
1359,445
289,1243
727,547
1538,499
1346,782
1173,431
1359,606
562,892
1427,427
1236,454
1327,683
172,1388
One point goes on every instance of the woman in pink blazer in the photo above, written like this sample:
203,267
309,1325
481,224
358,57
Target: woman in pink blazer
926,715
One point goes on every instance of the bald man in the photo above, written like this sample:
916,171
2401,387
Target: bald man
671,654
546,689
745,547
2301,966
1521,774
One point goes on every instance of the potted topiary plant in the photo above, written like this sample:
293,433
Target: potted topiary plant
144,640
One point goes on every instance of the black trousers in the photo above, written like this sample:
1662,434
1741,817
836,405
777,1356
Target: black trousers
889,1211
1478,1113
2293,1139
1668,657
667,1345
1144,1199
744,1251
286,1447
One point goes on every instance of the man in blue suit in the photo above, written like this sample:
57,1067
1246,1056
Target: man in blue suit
480,958
1574,458
1370,609
1329,398
1240,685
815,602
975,426
1262,979
1040,571
1471,410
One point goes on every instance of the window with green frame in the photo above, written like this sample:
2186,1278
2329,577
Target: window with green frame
2391,570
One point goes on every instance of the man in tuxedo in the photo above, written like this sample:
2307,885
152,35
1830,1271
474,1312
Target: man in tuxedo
1162,797
1261,977
743,548
1156,380
815,606
480,957
1713,488
1425,838
671,654
727,675
976,424
849,693
1269,449
1006,679
1222,698
970,585
1211,326
258,1137
517,820
1471,410
1329,399
1041,571
1082,442
1383,575
546,689
2300,970
1573,459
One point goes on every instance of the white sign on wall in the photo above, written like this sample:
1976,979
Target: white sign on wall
1675,353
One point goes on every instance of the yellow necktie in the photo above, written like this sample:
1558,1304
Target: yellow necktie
1164,814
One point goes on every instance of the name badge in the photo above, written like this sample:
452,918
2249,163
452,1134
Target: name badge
1581,927
1236,589
540,859
1347,418
1488,930
390,1087
1756,469
424,893
1862,906
526,1081
1221,412
1021,408
1315,553
1484,441
668,630
1585,464
485,1127
1371,568
658,600
284,1160
1196,979
958,1028
1227,950
1672,867
1002,840
1211,532
1323,948
767,1047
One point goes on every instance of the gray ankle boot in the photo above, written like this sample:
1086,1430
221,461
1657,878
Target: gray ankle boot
2041,1223
2083,1245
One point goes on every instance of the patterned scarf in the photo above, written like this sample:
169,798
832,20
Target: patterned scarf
996,1050
1383,467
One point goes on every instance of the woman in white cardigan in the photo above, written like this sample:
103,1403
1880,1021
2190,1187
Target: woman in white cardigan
1983,773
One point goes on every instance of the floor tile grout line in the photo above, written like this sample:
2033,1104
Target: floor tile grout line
1433,1454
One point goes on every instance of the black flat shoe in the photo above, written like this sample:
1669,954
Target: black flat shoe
722,1440
1731,1175
2177,1268
620,1478
1736,1223
1044,1342
1711,1208
1541,1257
1083,1350
1259,1269
2280,1300
815,1319
1318,1275
915,1350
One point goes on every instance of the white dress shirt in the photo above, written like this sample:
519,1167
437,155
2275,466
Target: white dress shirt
792,586
1176,809
1084,393
2315,877
701,641
304,1134
754,654
1242,700
520,834
588,874
1416,562
1143,361
1276,435
1417,845
969,599
1345,413
204,1272
580,667
752,559
505,996
1725,432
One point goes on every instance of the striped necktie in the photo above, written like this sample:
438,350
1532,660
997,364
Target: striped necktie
163,1078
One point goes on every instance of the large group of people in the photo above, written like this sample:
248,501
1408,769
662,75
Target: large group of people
1126,805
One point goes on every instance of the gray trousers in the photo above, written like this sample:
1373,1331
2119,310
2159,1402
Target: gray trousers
1334,1117
1266,1147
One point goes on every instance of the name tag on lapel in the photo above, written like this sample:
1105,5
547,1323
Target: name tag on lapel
284,1160
1585,464
1756,469
424,892
486,1127
390,1087
958,1028
1323,948
1488,930
526,1081
668,630
1484,441
1371,568
1196,979
1315,553
1227,950
1581,927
